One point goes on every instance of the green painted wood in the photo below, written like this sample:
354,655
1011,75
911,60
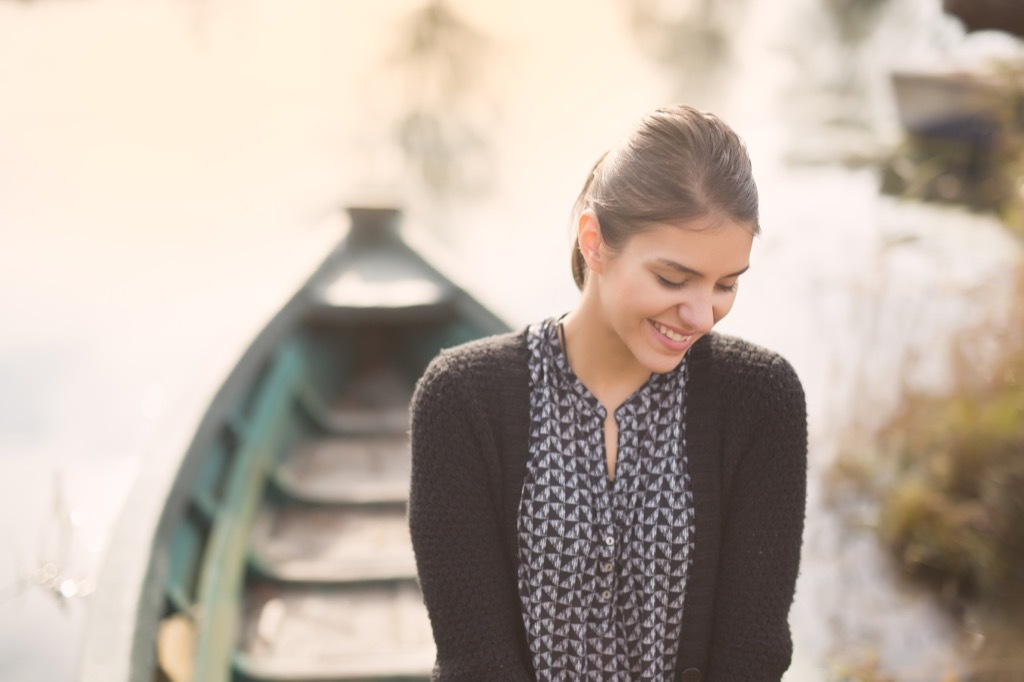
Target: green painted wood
220,584
186,557
213,471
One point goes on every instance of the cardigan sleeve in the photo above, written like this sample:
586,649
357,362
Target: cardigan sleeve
466,577
762,530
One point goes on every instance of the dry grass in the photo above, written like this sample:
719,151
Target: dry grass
947,472
1010,161
953,509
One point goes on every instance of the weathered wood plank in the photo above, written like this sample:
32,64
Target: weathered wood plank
314,543
338,469
368,632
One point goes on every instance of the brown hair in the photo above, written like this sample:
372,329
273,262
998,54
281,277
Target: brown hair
678,163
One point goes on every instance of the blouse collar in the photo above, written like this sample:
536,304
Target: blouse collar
557,362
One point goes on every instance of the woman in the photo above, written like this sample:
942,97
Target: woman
618,494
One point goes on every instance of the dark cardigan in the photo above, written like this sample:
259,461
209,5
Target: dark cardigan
747,452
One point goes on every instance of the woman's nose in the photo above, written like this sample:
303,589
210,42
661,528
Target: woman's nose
698,314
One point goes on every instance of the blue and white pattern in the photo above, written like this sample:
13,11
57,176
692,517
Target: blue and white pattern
603,563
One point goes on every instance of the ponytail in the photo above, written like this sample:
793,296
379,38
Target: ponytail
677,164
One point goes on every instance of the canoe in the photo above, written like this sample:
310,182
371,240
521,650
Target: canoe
273,544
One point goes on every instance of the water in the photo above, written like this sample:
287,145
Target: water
163,165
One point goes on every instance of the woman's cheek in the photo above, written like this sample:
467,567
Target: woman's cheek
722,309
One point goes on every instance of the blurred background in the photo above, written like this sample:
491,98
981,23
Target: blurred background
171,171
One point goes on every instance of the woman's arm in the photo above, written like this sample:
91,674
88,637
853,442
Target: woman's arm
762,529
468,580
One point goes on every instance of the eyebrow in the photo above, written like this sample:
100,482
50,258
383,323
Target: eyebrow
679,267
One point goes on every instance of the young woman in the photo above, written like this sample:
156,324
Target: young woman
618,494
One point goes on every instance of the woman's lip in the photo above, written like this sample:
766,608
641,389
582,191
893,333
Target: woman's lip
677,330
671,344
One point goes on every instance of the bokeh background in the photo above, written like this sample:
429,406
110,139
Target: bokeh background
171,170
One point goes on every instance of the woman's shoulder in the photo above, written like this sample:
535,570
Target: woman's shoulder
496,353
749,390
744,366
498,360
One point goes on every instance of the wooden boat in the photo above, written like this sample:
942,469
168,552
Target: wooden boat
962,127
272,545
962,106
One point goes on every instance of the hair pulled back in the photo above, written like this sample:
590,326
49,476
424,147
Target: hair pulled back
677,164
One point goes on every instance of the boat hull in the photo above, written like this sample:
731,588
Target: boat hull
273,546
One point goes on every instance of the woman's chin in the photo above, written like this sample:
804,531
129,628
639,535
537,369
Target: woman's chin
661,362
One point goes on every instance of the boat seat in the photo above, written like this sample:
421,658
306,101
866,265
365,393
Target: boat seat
335,469
332,593
346,417
343,634
332,543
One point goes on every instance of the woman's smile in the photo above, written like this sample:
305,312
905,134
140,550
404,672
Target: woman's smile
674,339
663,290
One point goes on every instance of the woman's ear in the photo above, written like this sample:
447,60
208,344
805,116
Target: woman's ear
588,237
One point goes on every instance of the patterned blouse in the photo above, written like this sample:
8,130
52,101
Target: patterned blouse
603,562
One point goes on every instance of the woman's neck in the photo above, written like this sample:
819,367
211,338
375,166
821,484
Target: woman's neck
598,357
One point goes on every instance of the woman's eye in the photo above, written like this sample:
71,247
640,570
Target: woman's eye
669,283
728,288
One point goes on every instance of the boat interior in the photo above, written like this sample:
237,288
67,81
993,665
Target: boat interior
289,557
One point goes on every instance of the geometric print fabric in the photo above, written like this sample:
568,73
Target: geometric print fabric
603,563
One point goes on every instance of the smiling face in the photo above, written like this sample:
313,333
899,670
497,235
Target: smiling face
668,285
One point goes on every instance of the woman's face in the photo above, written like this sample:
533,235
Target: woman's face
670,284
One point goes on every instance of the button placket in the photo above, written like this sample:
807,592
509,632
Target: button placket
605,574
608,556
606,522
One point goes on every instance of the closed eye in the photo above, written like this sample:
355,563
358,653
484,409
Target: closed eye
724,288
669,284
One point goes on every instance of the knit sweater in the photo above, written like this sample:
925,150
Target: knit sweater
747,450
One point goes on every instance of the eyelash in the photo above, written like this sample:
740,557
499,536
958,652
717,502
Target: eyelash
669,284
724,288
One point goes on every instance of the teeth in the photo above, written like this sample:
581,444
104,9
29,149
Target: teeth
678,338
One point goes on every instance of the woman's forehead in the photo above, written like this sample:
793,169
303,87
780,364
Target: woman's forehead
723,246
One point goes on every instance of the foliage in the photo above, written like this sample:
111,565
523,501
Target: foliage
1010,158
693,41
442,131
955,512
854,20
952,490
867,670
942,481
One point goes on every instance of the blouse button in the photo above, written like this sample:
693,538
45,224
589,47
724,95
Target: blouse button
606,595
607,566
609,541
